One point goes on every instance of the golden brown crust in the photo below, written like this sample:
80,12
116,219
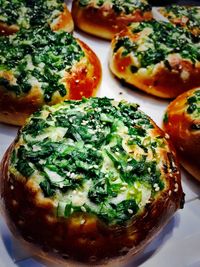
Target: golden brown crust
187,141
85,76
14,110
63,22
82,81
103,21
160,81
32,215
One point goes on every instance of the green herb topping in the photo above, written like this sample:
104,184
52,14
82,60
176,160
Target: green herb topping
188,14
193,107
38,57
30,13
165,118
94,155
119,6
158,40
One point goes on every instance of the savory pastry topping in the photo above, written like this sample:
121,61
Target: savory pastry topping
193,106
16,14
156,57
104,18
126,7
95,156
185,16
182,122
95,169
40,66
33,61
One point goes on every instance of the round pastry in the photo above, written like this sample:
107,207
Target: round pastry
184,16
156,57
182,122
93,176
104,18
16,14
39,66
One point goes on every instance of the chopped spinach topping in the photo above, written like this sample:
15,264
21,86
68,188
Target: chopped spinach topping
38,56
165,119
93,155
160,40
188,16
119,6
127,44
29,13
47,188
84,3
193,107
120,212
129,6
22,165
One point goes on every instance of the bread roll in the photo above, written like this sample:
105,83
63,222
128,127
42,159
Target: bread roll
105,18
156,57
40,67
182,122
17,14
92,180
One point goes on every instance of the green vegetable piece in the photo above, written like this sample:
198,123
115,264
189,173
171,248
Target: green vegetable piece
64,209
24,168
165,119
84,3
47,189
192,108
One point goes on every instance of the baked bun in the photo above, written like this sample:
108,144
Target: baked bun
17,14
40,67
156,57
182,122
105,18
92,179
184,16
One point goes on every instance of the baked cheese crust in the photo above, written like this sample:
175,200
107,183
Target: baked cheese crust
184,16
104,18
156,57
17,14
182,122
94,176
40,66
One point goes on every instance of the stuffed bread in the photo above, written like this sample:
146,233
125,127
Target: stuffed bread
94,176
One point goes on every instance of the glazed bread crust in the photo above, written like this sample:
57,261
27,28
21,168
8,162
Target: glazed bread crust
180,126
103,21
